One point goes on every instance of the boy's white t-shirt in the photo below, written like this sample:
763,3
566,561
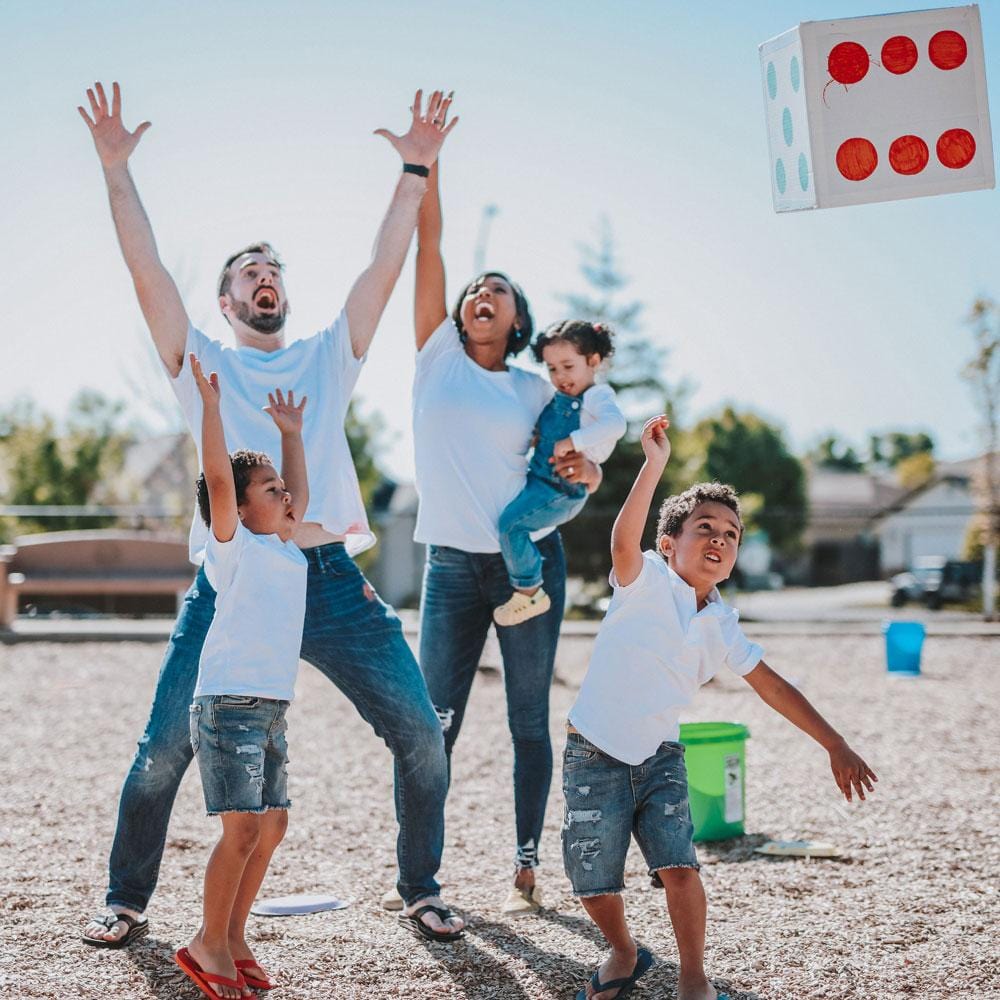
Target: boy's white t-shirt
252,647
652,653
472,430
322,367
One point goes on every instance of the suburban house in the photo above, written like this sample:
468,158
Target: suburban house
839,544
932,520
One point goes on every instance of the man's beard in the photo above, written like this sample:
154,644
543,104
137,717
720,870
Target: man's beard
261,322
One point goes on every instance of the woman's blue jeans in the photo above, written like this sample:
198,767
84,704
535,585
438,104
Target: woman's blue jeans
461,589
355,640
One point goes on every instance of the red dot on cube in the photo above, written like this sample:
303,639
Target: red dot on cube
899,54
956,148
908,154
848,62
856,159
947,50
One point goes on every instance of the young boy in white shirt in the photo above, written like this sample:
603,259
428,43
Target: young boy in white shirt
666,633
246,677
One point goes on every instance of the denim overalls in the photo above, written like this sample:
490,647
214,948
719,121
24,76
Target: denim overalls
547,499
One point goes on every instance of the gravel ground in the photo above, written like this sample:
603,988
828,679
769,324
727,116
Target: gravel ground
909,910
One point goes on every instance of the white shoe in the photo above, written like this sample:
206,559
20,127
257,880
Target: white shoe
521,607
392,900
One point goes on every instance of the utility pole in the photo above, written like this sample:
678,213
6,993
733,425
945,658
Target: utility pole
482,240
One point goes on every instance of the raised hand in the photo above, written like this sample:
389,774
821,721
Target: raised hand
113,141
427,132
654,440
211,394
285,414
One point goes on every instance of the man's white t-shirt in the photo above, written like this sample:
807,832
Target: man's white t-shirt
252,646
322,367
472,430
652,653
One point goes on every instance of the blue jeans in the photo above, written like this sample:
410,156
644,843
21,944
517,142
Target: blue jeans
608,802
539,505
358,643
461,589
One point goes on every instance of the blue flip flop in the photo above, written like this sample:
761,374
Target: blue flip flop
625,985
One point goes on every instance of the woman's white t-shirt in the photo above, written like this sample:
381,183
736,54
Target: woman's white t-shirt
652,653
472,430
322,367
252,647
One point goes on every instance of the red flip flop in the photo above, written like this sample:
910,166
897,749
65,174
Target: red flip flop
203,979
252,981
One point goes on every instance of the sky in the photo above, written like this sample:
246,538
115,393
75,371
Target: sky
649,113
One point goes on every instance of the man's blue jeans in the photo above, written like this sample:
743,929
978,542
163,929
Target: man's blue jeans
461,589
357,641
539,505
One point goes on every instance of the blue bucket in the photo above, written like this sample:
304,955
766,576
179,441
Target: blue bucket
903,643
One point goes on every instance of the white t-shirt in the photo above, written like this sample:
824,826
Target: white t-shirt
472,430
252,646
602,423
322,367
652,653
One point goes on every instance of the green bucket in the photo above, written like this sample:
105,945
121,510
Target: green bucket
716,777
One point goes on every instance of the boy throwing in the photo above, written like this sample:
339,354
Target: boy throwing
666,633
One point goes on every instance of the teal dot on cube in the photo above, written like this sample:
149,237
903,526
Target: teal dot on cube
793,72
772,81
803,172
779,176
786,126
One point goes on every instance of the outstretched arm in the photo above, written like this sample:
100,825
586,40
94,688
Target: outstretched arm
158,297
215,456
288,419
429,305
626,535
849,771
367,299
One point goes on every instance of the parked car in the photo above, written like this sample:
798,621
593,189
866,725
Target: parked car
933,580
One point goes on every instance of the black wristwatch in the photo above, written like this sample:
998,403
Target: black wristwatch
416,168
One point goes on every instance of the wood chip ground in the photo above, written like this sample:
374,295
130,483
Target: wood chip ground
910,910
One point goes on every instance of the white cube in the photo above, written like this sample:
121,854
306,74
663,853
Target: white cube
877,108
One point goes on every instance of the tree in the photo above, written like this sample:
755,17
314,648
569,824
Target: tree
982,372
45,467
744,450
832,453
897,446
636,373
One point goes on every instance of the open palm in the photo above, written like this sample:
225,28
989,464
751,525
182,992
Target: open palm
113,141
427,131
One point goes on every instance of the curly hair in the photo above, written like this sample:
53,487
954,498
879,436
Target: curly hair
587,338
520,333
675,510
243,462
225,278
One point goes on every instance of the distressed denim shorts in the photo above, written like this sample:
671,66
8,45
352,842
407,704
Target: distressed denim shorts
242,754
607,802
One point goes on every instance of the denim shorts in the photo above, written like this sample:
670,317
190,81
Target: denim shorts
607,802
242,754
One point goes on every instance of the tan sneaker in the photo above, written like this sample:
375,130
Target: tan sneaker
391,900
521,607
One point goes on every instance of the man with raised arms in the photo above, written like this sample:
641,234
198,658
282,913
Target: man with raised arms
349,634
